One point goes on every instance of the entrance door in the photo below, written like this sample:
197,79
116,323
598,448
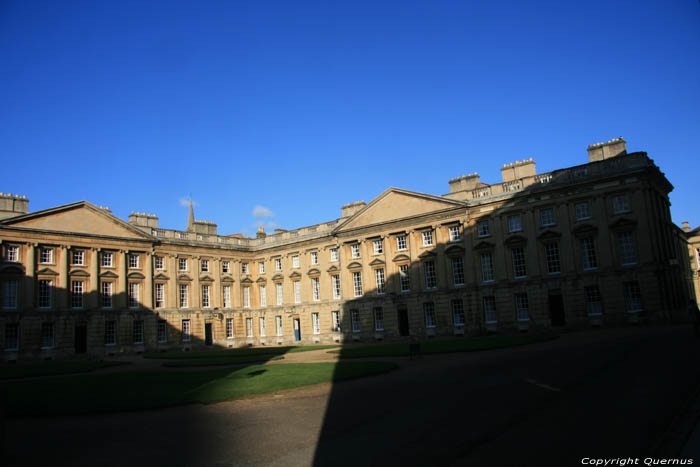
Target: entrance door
80,338
297,330
403,320
208,340
556,309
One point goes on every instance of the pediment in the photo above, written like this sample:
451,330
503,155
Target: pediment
454,250
247,280
333,269
354,265
278,277
515,240
261,280
184,277
395,204
427,255
79,273
227,279
160,276
46,272
377,262
549,235
398,258
295,275
484,245
81,217
135,275
585,229
109,275
12,269
206,279
623,224
314,272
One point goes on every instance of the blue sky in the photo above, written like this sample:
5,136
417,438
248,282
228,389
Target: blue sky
300,107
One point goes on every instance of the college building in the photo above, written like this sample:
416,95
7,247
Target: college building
590,245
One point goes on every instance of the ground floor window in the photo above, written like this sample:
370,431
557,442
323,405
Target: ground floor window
335,316
429,311
138,332
186,336
633,297
355,318
262,327
378,319
593,304
316,323
249,327
110,332
278,320
48,337
162,331
229,328
458,312
12,336
521,307
490,310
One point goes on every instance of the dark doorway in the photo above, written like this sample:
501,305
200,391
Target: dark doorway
297,330
556,309
403,320
208,339
80,338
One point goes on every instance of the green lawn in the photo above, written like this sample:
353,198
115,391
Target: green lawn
63,395
219,361
467,344
240,352
50,368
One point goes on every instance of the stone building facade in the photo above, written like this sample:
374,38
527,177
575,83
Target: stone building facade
587,245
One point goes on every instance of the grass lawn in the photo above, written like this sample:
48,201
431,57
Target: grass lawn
217,361
240,352
467,344
67,395
50,368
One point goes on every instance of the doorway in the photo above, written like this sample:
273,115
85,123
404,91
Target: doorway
403,320
80,338
556,309
208,337
297,330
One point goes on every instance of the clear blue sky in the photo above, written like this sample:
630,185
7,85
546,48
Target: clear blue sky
300,107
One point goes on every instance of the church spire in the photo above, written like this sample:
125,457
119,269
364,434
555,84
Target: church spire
190,218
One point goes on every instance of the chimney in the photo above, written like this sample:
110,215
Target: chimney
686,227
464,183
142,219
261,232
518,169
350,209
13,205
601,151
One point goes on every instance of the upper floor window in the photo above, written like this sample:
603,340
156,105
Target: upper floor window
45,293
133,295
297,291
335,280
590,260
10,294
244,268
261,267
514,224
225,267
458,271
278,264
628,248
519,268
357,283
401,243
454,233
133,261
12,253
377,247
184,296
204,265
159,263
280,295
404,281
316,289
355,320
107,259
107,294
486,267
490,314
46,256
430,276
458,312
427,237
314,257
226,302
547,217
76,295
334,254
482,228
78,258
182,264
379,277
246,297
205,296
160,295
582,211
551,252
594,305
295,261
620,204
355,250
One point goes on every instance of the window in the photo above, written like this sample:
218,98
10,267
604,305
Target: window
458,271
204,265
249,327
633,297
184,296
133,295
427,237
263,295
244,268
514,224
377,247
278,322
521,307
314,257
263,333
110,332
107,294
261,268
45,293
225,267
581,210
133,261
278,264
429,311
588,250
316,322
295,261
335,319
454,233
401,243
486,267
379,278
46,256
594,306
355,318
182,264
186,336
430,277
628,248
76,295
404,281
205,296
335,282
162,331
316,289
357,283
246,297
158,262
78,258
297,291
280,296
334,254
48,336
378,319
546,217
518,257
138,332
12,253
355,250
620,204
458,313
12,336
551,253
160,295
482,228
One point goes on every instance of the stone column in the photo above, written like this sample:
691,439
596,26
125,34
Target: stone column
148,282
216,297
63,292
195,300
122,282
29,279
171,289
94,289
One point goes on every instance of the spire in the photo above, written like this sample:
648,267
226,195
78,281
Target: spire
190,218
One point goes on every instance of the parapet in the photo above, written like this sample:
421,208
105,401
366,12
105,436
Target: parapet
142,219
613,148
13,205
349,209
518,169
464,183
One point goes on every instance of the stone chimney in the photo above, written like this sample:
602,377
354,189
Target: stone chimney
143,220
261,232
350,209
464,183
204,227
13,205
686,227
613,148
518,170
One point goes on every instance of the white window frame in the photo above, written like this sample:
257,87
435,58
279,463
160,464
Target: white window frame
515,223
204,265
522,308
519,262
45,296
261,324
244,268
316,323
582,211
48,335
160,295
262,289
458,312
249,327
316,289
12,254
588,254
162,331
226,291
357,283
483,229
404,278
314,257
295,261
297,291
183,296
458,271
134,295
594,305
107,294
158,262
182,264
628,248
206,303
380,281
229,328
186,331
620,204
547,217
377,247
280,293
137,334
279,325
261,267
107,259
355,320
335,283
378,318
78,258
335,320
429,313
633,297
246,297
355,250
430,274
278,264
552,258
487,271
401,244
46,255
77,290
134,261
454,233
334,254
226,267
427,236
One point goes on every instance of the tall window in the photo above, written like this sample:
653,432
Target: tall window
377,247
186,336
404,281
334,254
263,332
514,224
458,271
316,323
454,233
107,288
12,336
429,311
225,267
78,257
427,237
278,322
227,296
594,306
633,297
46,256
482,228
45,293
355,318
158,263
295,261
138,332
249,327
204,265
378,319
518,256
297,291
184,296
590,260
458,312
335,318
551,252
620,204
261,268
379,278
48,336
110,332
314,257
246,297
581,211
357,283
547,217
244,268
229,328
133,261
335,281
263,295
278,264
401,243
182,264
521,307
107,259
628,248
205,296
316,289
76,295
160,295
162,331
280,294
133,295
355,250
486,267
430,277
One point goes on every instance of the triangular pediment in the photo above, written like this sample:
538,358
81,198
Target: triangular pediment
79,273
227,279
623,224
108,275
454,250
549,235
206,279
354,265
376,262
395,204
515,240
261,280
401,257
46,272
81,217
